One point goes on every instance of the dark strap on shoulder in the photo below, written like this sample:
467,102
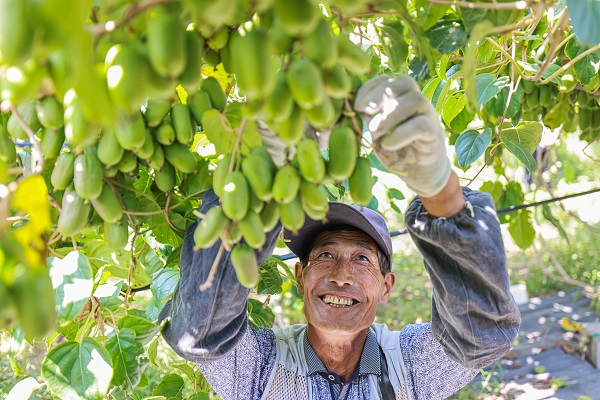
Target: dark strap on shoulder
385,386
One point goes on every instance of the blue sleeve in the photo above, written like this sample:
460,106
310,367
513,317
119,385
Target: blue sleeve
474,316
205,326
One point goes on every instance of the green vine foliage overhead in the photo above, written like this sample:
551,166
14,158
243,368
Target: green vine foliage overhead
118,116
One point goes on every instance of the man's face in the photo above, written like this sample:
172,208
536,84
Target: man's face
342,283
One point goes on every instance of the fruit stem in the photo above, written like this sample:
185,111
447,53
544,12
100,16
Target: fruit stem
213,270
238,144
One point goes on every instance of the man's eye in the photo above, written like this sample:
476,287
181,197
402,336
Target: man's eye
363,258
325,255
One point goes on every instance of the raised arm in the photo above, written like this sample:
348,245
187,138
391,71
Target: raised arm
206,325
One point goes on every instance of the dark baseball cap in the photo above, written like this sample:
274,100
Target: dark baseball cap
363,219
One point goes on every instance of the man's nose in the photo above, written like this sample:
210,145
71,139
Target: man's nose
342,273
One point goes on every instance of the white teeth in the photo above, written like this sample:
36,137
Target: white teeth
337,301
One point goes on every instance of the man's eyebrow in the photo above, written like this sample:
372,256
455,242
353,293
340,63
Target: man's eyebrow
364,245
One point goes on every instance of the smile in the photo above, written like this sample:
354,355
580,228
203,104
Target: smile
335,301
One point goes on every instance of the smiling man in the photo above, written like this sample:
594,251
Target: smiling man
344,273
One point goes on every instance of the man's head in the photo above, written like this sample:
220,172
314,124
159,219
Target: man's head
344,272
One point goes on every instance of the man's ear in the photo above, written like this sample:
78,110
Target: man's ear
389,282
299,279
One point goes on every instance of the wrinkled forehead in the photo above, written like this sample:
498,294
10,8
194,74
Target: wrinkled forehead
343,235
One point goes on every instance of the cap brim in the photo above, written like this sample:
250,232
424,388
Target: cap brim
338,214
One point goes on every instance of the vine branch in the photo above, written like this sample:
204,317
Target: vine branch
133,11
517,5
570,64
32,138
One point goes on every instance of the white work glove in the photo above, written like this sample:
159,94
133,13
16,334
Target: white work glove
277,148
407,133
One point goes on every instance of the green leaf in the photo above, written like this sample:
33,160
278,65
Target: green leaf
470,145
194,185
572,48
72,283
488,86
461,122
534,68
428,14
198,396
144,329
153,351
188,371
375,163
395,194
494,188
521,229
447,36
213,124
585,15
125,352
391,35
164,285
547,214
269,279
522,141
587,67
453,106
259,315
78,371
514,106
170,386
512,196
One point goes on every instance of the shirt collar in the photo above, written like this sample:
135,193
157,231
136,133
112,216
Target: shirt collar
370,360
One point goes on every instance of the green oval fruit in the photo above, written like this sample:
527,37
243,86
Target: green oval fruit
127,74
74,213
51,142
320,45
16,32
545,95
291,130
286,184
116,236
208,230
252,64
310,160
181,157
254,203
220,173
585,118
109,150
351,56
165,178
528,86
234,235
199,103
219,39
212,58
166,42
156,110
567,83
245,265
258,173
269,216
191,75
315,196
165,134
62,174
252,230
299,17
280,104
361,182
292,215
8,152
146,151
182,123
282,42
107,205
323,116
50,112
111,172
218,98
128,163
261,151
337,82
78,130
88,175
235,197
29,116
305,83
34,299
131,131
343,150
157,159
314,214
